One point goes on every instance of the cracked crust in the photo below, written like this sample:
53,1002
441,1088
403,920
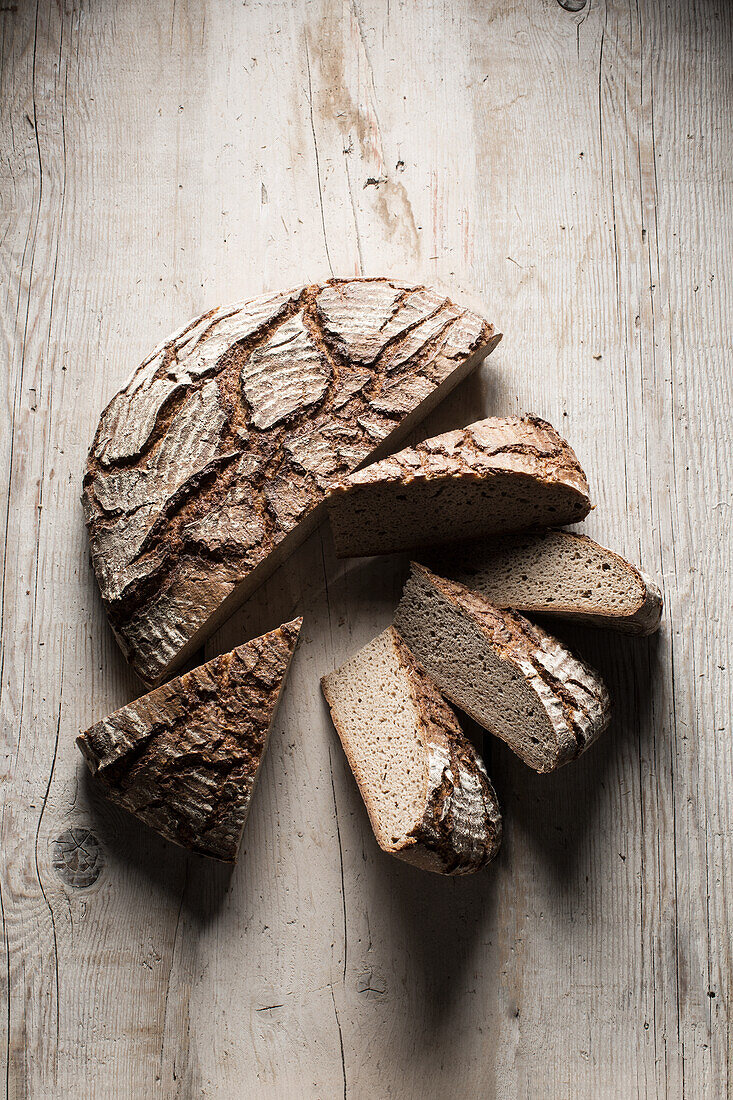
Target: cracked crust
499,474
208,467
436,616
185,757
455,823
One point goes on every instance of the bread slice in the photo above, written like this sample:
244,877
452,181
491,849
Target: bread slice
425,788
501,474
213,462
510,676
557,573
185,757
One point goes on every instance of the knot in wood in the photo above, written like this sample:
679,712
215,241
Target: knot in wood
77,857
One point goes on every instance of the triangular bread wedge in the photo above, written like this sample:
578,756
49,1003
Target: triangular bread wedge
557,573
509,675
185,757
213,462
501,474
424,785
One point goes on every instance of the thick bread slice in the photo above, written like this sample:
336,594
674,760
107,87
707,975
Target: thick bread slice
500,474
208,468
185,757
557,573
425,788
510,676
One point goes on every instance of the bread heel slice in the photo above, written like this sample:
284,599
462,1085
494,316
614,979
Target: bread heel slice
508,674
557,573
185,758
501,474
425,788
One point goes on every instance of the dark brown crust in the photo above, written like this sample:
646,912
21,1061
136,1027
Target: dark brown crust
169,540
512,444
185,757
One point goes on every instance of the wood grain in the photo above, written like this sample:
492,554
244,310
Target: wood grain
571,168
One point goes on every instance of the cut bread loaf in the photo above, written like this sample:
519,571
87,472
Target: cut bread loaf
425,788
510,676
500,474
185,757
556,573
208,468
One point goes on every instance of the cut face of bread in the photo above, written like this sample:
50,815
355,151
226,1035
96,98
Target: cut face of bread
510,676
556,573
501,474
185,757
425,788
212,463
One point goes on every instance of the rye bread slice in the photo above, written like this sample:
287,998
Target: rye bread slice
501,474
556,573
509,675
185,757
424,785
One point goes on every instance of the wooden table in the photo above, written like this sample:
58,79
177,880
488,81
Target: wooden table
573,168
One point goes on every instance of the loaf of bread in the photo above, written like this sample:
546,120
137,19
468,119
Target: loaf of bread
500,474
425,788
208,467
185,757
556,573
510,676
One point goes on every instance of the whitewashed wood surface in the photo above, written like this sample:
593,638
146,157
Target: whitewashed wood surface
571,168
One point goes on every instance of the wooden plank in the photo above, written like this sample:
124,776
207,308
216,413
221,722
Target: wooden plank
571,169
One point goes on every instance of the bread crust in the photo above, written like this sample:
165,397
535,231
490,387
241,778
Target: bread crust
519,444
460,828
210,465
646,619
185,757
